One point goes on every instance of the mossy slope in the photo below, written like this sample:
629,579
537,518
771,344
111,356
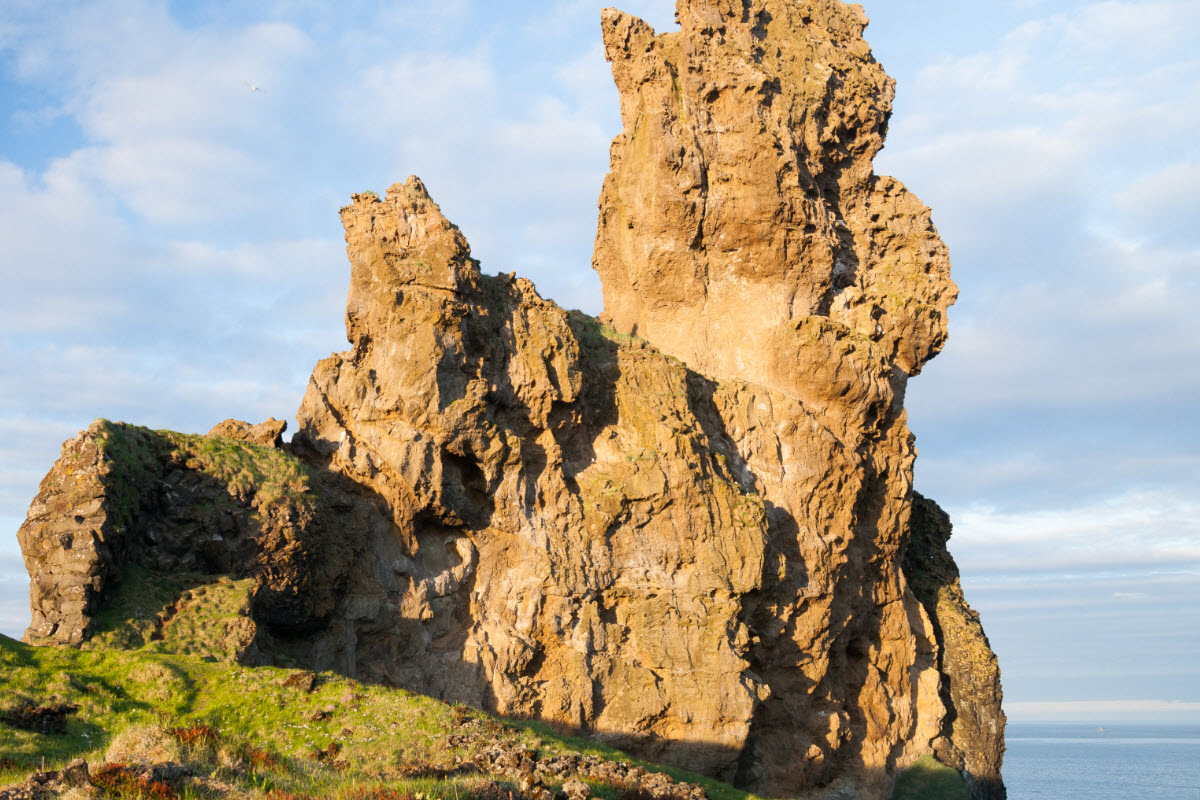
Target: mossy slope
268,732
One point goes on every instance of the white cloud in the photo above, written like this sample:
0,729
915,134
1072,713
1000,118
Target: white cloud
1120,532
1164,205
589,83
1058,163
420,94
175,135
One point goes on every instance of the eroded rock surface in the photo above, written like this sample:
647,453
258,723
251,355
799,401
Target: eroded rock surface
681,530
178,504
742,228
268,434
973,736
703,570
569,545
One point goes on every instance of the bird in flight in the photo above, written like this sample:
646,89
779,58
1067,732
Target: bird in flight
254,88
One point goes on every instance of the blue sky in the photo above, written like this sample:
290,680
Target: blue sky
171,255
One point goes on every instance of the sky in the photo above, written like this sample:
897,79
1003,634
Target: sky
171,255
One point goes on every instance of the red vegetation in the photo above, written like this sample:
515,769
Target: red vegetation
120,781
279,794
196,734
260,759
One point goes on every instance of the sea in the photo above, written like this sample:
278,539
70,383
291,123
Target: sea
1121,761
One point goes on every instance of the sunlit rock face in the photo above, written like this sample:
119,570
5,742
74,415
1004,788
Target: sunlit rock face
681,528
742,218
572,544
743,230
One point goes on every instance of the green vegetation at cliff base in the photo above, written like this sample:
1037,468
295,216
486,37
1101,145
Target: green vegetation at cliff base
268,732
929,779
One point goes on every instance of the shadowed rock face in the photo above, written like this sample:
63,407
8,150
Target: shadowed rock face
973,734
178,504
683,532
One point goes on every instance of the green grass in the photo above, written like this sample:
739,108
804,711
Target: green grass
380,729
249,471
929,779
177,613
591,332
269,474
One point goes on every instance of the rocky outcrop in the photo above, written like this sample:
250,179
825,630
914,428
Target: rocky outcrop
569,545
742,229
268,434
703,570
681,528
973,735
179,504
51,784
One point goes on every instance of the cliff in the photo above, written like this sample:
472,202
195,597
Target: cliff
681,528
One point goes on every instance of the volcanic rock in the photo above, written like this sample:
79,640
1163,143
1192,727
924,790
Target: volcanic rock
268,434
51,783
187,507
685,528
973,735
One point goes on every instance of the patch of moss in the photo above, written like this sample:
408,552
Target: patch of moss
182,613
267,474
593,333
929,779
249,471
133,454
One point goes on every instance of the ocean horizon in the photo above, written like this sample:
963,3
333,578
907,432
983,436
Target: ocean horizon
1098,761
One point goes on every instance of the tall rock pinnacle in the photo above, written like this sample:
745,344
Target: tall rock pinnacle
742,228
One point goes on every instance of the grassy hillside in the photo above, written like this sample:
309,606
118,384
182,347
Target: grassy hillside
259,732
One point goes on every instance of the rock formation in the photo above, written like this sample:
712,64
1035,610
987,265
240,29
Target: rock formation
179,504
681,529
973,733
742,228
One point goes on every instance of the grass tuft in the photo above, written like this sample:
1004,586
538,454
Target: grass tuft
929,779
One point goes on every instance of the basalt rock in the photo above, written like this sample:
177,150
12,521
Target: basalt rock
570,545
187,505
681,528
742,228
973,736
268,434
